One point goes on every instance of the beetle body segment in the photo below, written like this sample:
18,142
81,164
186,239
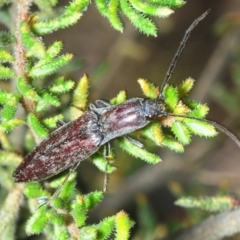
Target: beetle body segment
69,144
122,119
82,137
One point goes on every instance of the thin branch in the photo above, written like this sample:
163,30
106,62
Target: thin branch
19,49
214,228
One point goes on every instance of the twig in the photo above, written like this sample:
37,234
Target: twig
214,228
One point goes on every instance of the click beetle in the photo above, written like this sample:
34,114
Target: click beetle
76,141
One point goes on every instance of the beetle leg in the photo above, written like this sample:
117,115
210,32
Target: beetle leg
92,106
60,123
134,141
107,149
102,103
55,194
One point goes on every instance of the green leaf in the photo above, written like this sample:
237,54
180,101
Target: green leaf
113,15
38,221
102,6
58,203
67,189
149,90
59,219
185,87
88,232
153,132
168,3
211,204
4,96
64,21
137,152
100,162
151,9
61,85
105,228
10,108
9,158
200,128
35,190
52,51
40,71
92,199
6,38
200,111
77,6
172,144
181,132
26,89
6,73
6,56
11,124
79,211
32,43
36,126
57,182
120,98
80,94
52,121
123,226
140,21
50,99
171,97
62,234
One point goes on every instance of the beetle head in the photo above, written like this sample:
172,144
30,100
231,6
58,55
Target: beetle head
154,108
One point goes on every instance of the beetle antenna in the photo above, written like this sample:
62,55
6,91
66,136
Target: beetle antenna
216,125
179,51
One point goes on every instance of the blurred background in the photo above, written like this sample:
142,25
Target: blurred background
114,61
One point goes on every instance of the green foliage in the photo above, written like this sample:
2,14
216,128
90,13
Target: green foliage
36,126
211,204
138,12
11,124
71,208
6,73
180,128
35,190
120,98
70,15
138,152
80,94
148,89
52,121
9,159
10,107
34,46
123,225
100,162
61,86
5,56
6,38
